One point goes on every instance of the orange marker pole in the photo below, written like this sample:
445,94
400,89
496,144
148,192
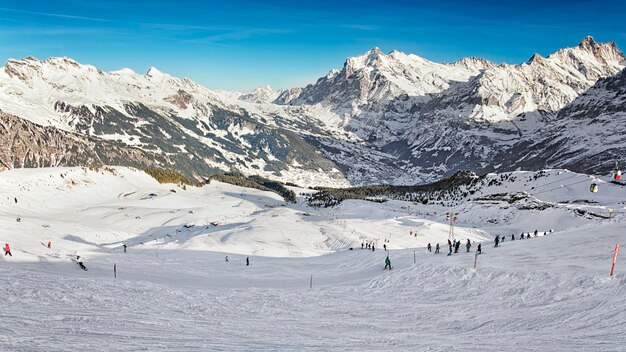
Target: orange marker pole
615,251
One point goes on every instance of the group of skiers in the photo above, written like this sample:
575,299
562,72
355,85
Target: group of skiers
453,247
370,245
528,235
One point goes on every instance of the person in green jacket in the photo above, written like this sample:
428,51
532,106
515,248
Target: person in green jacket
387,263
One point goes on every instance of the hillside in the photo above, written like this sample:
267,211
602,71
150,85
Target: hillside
174,289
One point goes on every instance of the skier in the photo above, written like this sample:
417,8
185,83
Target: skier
497,240
544,233
387,263
247,261
124,247
468,245
513,237
479,249
80,263
385,247
502,238
456,246
429,247
522,236
535,232
226,259
373,249
7,250
362,245
450,248
437,248
49,244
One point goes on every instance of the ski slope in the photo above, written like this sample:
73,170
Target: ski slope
174,290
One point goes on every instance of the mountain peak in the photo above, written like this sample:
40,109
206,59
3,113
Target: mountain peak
535,58
154,72
587,43
375,51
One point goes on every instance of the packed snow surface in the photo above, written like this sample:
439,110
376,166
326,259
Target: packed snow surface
175,291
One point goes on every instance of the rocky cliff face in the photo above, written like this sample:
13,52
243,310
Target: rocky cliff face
25,144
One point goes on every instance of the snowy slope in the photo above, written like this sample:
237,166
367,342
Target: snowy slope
547,293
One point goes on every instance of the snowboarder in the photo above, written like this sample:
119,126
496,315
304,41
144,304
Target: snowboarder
497,240
479,249
7,250
468,245
80,263
385,247
226,259
49,244
456,246
124,247
387,263
437,248
429,247
247,261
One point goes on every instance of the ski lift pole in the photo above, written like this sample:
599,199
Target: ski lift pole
475,259
615,251
115,271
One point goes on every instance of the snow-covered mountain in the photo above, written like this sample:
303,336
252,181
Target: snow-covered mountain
190,127
440,118
392,118
587,133
261,95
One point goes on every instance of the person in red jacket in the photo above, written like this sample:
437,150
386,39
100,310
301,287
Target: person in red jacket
49,244
7,250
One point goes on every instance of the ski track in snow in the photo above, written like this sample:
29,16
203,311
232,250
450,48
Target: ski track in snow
550,293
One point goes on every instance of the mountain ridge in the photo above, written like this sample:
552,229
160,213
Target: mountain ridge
382,118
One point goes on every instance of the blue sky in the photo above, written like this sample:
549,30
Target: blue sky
241,44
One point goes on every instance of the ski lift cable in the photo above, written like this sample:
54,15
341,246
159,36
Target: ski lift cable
561,180
555,188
